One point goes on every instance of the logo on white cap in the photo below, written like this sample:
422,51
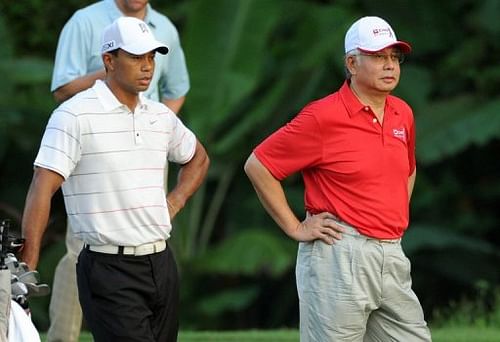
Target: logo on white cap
372,34
132,35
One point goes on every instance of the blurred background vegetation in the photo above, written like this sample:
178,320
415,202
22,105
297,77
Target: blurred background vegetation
254,64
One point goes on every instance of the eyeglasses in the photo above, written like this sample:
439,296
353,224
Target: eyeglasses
380,58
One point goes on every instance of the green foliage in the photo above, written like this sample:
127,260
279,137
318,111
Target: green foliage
249,252
439,238
482,311
447,127
253,65
232,300
227,68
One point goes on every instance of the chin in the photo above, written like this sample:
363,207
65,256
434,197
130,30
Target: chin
388,87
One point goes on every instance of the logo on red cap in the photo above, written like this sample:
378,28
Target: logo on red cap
382,31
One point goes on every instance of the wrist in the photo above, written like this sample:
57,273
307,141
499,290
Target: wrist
296,232
175,202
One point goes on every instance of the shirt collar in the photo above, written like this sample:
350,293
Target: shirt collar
115,13
354,106
109,101
106,97
351,102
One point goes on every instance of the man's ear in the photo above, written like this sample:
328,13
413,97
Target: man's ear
108,61
351,64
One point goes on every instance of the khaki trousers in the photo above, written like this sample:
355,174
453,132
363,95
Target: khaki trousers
358,289
64,309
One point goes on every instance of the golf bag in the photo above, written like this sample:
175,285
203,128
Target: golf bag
17,285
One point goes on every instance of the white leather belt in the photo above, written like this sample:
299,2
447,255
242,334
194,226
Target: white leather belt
144,249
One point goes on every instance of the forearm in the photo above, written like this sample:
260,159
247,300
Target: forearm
66,91
272,196
174,104
190,178
36,214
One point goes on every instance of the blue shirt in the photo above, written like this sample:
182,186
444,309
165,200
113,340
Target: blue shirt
79,50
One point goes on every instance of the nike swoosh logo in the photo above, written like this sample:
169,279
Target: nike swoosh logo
152,122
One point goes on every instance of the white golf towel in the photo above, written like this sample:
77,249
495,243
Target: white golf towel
20,326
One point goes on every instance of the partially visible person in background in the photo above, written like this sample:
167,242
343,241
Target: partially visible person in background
78,65
107,147
356,151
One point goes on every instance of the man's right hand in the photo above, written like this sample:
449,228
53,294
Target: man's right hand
323,226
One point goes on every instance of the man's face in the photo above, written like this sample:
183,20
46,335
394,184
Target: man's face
378,71
133,73
132,5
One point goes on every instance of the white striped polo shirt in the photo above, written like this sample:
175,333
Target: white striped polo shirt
113,163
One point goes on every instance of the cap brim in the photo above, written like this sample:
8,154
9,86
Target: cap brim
142,48
404,46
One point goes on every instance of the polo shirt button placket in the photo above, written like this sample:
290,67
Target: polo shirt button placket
367,109
137,127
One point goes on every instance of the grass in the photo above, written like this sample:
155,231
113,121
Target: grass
466,334
452,334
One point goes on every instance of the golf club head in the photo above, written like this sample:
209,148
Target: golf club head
11,262
22,267
29,277
13,278
18,289
37,290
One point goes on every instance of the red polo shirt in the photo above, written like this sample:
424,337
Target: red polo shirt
352,166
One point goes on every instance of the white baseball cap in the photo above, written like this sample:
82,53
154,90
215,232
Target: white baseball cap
372,34
132,35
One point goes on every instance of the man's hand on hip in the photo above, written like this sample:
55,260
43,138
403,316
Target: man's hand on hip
322,226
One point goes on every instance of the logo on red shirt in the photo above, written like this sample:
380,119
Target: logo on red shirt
399,133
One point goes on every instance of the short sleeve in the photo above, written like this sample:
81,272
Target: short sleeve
182,143
294,147
60,148
73,48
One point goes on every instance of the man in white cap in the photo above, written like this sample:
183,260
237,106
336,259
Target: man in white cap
356,151
108,147
78,64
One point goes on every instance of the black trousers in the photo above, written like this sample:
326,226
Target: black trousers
129,298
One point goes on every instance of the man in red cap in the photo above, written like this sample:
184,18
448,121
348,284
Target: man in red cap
356,151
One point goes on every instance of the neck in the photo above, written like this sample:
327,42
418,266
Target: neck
375,100
128,12
129,99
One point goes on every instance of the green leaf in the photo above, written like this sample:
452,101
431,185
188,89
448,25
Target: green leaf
249,252
27,70
231,67
448,127
228,300
415,86
422,236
